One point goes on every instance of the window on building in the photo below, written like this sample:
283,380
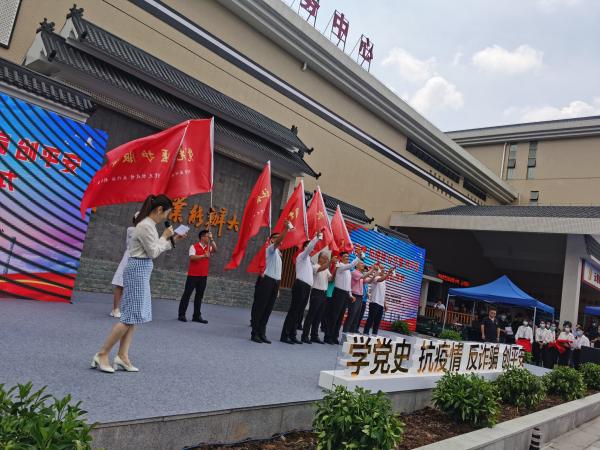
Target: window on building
511,166
534,198
532,160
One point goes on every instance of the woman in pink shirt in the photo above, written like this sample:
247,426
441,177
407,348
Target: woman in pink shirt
358,276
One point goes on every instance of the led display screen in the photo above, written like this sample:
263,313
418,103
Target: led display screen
403,289
46,163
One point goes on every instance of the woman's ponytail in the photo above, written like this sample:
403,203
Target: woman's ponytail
150,204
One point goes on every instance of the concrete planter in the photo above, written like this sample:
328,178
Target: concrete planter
516,434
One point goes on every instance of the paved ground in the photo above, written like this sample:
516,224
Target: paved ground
585,437
185,367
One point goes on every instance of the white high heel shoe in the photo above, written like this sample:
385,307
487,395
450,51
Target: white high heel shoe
96,365
120,364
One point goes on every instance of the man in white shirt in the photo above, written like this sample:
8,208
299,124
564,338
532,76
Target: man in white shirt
300,292
538,343
267,288
318,300
377,304
341,294
526,333
581,340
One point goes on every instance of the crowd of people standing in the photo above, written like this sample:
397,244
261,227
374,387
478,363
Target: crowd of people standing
549,343
333,287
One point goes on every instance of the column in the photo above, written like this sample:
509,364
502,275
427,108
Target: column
571,285
423,298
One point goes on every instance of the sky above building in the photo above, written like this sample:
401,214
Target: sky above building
476,63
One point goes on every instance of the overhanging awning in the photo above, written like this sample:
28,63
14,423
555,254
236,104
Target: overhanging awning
502,291
592,310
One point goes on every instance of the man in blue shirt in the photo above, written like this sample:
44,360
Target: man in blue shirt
267,288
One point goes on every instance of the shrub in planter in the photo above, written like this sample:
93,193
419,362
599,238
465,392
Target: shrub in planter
521,388
37,420
399,326
468,398
450,335
527,357
591,375
356,420
566,382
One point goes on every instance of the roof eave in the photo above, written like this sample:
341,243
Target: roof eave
272,18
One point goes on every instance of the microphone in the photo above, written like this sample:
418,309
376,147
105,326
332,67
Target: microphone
168,224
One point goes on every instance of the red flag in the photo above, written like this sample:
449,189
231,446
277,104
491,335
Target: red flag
257,214
319,220
177,162
294,211
340,232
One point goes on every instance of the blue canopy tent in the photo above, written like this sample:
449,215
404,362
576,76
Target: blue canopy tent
592,310
501,291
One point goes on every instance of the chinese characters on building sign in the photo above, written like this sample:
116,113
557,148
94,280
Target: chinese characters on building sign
197,216
365,51
311,7
369,356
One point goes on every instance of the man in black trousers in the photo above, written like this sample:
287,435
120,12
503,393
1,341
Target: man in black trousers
341,295
267,288
300,292
197,274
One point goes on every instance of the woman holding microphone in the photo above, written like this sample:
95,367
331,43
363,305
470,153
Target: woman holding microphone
136,304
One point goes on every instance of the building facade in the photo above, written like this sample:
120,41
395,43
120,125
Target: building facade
278,89
548,163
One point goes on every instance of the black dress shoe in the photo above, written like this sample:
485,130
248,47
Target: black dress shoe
295,340
306,340
316,340
264,339
200,320
286,340
256,339
182,319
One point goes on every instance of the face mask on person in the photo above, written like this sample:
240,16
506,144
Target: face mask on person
542,325
503,317
547,326
525,323
552,328
579,333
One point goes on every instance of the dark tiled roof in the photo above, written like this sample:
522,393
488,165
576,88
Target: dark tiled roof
348,210
36,84
91,66
210,99
583,212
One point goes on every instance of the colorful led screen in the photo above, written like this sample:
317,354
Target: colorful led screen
46,162
403,290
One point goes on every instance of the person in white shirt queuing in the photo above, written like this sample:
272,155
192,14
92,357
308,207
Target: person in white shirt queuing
266,288
377,303
300,292
341,294
524,332
549,354
564,357
581,340
117,280
136,304
538,343
318,300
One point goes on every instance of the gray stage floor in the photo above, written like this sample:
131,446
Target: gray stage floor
185,367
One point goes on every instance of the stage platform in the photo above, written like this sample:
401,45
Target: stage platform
185,367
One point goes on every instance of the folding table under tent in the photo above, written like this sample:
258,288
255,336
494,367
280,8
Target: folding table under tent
592,310
501,291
